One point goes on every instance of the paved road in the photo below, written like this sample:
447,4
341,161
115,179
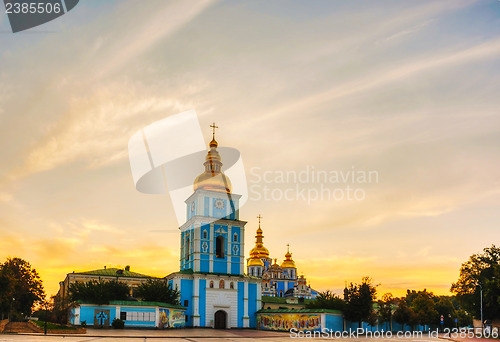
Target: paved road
191,335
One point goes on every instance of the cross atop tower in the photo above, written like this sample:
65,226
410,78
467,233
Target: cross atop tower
259,217
288,248
213,127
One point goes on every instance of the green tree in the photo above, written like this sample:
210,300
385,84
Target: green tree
327,300
359,300
98,292
20,287
385,310
404,314
157,290
480,271
424,308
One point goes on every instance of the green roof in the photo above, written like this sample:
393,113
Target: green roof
114,272
299,311
135,303
281,300
140,303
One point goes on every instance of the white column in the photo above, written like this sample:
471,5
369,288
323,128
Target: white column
157,317
229,249
117,311
242,250
246,319
196,247
196,302
259,296
211,249
77,315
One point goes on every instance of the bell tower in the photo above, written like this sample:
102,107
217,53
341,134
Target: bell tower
212,238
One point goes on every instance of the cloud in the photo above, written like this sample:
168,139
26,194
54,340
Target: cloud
387,75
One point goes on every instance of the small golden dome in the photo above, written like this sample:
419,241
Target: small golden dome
213,178
255,262
288,262
259,251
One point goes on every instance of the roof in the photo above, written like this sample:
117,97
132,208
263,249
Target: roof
114,272
139,303
299,311
136,303
280,300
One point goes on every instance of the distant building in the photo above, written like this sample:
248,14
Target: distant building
132,279
277,280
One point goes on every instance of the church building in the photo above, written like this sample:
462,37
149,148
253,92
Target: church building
214,288
277,280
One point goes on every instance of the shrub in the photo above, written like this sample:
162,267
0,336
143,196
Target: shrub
118,324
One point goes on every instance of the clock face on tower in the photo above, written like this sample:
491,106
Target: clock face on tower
219,204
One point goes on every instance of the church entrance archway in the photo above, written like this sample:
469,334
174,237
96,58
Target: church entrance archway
220,320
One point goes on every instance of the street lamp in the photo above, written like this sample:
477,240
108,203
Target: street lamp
481,294
10,316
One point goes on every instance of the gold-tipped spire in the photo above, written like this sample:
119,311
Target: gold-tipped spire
259,251
288,262
213,178
213,143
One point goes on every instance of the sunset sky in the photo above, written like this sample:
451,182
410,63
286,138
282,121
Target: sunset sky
409,89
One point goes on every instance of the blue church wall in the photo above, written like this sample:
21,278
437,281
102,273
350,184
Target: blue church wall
232,212
133,319
206,206
385,326
220,265
186,298
252,304
219,212
334,322
202,301
189,212
235,266
87,313
204,264
241,290
187,260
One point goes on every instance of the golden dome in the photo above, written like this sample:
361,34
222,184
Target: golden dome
212,178
259,250
288,262
255,261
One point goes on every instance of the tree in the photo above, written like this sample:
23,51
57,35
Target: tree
98,292
424,308
480,271
404,314
327,300
157,290
20,287
385,309
359,300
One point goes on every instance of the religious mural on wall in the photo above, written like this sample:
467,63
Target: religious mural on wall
171,318
287,321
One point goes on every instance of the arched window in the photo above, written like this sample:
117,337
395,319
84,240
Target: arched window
221,284
205,234
211,284
219,247
231,285
235,237
187,248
